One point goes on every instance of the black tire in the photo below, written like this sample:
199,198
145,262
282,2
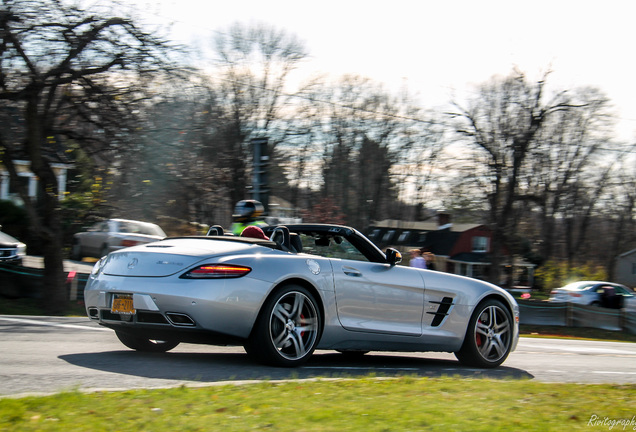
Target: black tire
596,303
489,336
145,345
287,329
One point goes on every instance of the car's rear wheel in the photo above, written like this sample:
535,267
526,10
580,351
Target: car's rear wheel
489,336
287,329
144,344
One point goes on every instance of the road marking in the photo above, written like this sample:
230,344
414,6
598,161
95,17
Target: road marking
575,349
360,368
52,324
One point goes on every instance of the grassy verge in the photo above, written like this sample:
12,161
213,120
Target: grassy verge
439,404
576,333
29,306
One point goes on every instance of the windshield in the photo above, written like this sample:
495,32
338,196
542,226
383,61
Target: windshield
331,247
578,286
334,241
138,228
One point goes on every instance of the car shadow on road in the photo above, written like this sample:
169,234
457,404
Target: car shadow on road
220,367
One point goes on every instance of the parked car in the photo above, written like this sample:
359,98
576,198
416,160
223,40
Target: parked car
596,293
113,234
307,287
12,250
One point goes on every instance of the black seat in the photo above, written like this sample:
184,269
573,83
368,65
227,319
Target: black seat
281,236
215,230
295,242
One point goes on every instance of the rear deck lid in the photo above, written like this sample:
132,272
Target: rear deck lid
171,256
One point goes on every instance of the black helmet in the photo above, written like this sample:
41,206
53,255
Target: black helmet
247,209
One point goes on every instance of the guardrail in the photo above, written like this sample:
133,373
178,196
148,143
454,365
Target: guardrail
576,315
26,282
21,282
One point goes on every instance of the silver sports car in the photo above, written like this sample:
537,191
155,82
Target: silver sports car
308,287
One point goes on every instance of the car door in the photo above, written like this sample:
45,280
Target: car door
378,298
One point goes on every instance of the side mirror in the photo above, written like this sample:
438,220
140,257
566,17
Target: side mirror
393,256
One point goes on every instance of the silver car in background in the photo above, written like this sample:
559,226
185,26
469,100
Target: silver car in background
308,287
113,234
12,250
595,293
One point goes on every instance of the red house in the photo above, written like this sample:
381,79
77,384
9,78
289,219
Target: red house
463,249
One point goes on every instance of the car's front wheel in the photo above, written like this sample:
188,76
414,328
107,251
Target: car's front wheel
144,344
489,336
287,329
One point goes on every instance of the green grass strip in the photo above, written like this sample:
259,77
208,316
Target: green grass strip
368,404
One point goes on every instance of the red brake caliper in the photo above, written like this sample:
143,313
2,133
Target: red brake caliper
478,336
302,321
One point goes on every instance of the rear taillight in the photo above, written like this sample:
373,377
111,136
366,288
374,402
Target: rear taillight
575,295
217,271
129,243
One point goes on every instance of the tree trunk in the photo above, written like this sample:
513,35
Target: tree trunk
45,215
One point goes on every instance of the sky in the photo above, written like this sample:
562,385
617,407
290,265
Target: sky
440,49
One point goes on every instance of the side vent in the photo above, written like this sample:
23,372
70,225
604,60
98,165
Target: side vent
442,310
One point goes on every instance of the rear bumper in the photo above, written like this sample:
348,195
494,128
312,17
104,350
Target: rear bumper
224,307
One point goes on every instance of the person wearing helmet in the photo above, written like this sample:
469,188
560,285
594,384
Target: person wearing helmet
247,213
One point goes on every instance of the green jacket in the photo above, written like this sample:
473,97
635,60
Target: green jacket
238,227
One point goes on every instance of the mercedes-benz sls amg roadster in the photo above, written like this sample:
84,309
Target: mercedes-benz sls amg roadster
307,287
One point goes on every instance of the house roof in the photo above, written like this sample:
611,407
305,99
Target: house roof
633,251
421,225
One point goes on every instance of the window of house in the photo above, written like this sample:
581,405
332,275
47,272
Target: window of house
375,234
479,271
404,236
463,269
480,244
388,236
22,180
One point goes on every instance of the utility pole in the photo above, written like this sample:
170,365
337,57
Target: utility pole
260,187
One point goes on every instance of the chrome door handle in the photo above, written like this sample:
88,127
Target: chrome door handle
350,271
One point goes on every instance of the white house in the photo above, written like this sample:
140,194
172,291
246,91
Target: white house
625,268
8,192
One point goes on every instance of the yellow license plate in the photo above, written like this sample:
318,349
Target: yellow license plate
123,304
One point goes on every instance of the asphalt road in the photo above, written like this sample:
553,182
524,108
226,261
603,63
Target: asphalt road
52,354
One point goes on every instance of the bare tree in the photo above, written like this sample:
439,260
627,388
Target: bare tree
68,74
618,209
502,124
254,64
570,160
